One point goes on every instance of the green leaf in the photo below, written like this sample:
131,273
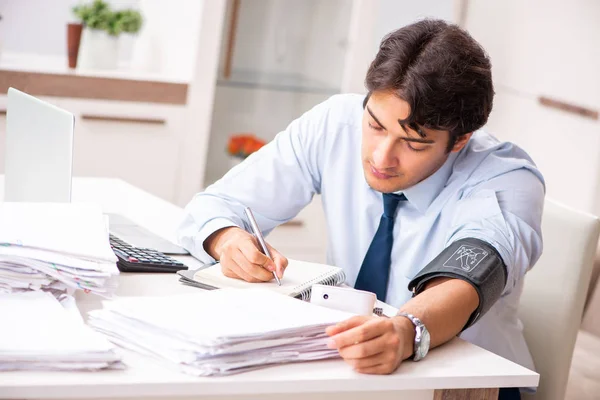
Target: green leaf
98,15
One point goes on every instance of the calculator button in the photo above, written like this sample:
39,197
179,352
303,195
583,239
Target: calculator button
145,260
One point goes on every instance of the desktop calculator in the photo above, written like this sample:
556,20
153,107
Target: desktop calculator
137,259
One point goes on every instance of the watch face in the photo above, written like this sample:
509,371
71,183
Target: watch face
423,347
425,339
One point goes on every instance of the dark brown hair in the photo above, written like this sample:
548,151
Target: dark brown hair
441,71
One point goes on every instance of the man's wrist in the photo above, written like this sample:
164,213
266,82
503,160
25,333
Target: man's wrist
407,329
214,243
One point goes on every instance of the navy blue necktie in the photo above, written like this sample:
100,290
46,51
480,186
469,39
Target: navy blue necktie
375,270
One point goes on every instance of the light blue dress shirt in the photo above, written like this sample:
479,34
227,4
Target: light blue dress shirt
489,190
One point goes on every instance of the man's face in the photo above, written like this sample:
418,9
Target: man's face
396,157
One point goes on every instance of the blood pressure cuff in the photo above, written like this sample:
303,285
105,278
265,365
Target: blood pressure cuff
474,261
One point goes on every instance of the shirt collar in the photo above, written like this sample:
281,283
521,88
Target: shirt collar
423,193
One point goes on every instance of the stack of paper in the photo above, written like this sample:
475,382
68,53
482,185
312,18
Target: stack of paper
219,332
38,333
55,246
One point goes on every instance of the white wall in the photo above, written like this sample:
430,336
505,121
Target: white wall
394,14
167,43
39,26
373,19
306,38
327,40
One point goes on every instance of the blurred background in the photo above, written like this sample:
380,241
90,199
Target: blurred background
169,95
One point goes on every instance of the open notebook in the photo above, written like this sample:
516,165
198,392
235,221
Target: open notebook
297,280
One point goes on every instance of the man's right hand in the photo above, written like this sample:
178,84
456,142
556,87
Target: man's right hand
239,255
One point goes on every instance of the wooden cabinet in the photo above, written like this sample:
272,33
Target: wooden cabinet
151,128
305,238
2,132
541,47
139,143
565,147
547,49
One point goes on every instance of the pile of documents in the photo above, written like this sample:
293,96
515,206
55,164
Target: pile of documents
39,333
219,332
54,247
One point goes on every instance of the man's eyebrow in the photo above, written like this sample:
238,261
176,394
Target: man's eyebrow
412,126
418,140
415,140
375,118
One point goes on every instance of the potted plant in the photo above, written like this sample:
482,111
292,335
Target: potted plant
241,146
102,27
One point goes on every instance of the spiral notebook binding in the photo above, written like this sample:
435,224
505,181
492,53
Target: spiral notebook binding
332,280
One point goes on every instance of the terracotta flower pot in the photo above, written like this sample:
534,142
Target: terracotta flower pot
73,39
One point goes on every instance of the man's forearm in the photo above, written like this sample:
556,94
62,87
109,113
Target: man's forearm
444,307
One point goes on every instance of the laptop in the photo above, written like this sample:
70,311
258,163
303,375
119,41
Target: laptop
39,164
138,236
39,150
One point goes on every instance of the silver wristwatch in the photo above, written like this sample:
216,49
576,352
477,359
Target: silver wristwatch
421,346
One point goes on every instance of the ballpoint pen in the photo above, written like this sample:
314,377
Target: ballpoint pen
260,238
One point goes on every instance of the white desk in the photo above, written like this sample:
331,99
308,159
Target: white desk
456,365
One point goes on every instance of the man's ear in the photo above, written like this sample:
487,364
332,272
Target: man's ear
461,142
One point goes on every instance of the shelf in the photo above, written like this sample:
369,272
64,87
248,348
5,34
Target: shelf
57,65
276,81
41,75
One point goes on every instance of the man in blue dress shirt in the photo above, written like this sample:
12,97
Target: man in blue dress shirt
435,216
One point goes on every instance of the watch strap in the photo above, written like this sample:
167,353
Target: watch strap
418,332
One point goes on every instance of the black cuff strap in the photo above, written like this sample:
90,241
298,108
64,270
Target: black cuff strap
474,261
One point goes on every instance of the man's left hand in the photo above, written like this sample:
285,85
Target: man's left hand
373,345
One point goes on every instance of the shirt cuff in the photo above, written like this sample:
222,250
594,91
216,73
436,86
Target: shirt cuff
208,229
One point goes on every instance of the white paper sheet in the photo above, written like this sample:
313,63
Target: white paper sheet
221,331
38,331
45,243
76,229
